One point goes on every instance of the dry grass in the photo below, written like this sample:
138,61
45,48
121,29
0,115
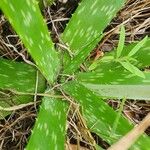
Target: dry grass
16,128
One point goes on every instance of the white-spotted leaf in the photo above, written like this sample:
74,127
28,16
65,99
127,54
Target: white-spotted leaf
113,81
100,117
17,76
50,127
26,18
85,28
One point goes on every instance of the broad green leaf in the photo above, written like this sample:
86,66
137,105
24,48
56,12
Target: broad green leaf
121,42
49,130
137,47
127,65
116,82
26,18
138,92
111,73
100,116
19,77
85,28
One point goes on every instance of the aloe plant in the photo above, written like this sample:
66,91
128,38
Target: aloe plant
81,37
114,81
20,77
99,116
88,89
49,130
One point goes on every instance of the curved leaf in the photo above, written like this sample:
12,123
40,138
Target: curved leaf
26,18
137,47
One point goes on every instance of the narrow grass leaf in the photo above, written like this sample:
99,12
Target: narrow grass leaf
93,65
19,77
83,32
116,121
142,56
137,47
26,18
100,116
127,65
49,130
121,42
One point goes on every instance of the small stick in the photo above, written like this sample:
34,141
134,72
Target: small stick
38,94
125,142
16,107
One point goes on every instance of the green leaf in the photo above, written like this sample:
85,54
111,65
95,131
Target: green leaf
115,82
85,28
104,59
111,73
121,42
19,77
93,65
49,130
127,65
26,18
100,117
137,47
119,113
120,91
142,56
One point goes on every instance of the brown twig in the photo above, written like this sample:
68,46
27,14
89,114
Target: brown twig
125,142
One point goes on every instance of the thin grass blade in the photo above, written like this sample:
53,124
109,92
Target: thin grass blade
142,56
127,65
137,47
121,42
